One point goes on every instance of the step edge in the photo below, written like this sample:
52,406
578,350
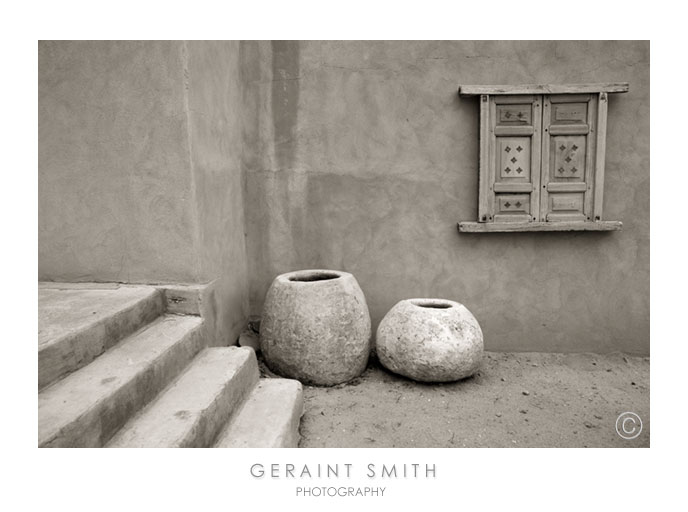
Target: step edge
194,436
193,337
143,331
152,307
253,374
285,434
154,294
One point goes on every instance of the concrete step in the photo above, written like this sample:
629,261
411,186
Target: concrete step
87,407
269,418
183,299
78,323
194,408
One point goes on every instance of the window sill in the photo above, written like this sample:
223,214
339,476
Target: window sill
504,227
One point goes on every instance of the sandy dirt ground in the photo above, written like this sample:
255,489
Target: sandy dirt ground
516,400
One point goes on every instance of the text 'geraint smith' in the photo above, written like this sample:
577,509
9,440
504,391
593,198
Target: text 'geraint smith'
343,471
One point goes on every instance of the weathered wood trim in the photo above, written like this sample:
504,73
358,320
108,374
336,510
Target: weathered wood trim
567,187
524,188
504,227
570,98
483,184
590,152
536,158
514,131
511,219
492,157
544,163
569,129
472,90
565,217
601,150
514,100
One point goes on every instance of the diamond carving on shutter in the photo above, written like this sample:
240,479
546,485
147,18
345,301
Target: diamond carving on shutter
515,148
566,159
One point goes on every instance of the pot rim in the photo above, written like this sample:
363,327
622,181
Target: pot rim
312,276
433,303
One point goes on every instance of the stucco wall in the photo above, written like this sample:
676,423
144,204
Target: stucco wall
114,188
156,157
140,177
364,159
215,115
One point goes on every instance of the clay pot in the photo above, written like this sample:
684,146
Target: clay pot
430,340
316,327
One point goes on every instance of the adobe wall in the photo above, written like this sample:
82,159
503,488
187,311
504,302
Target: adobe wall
140,177
155,158
363,158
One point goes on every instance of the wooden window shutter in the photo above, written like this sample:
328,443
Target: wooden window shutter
568,157
514,158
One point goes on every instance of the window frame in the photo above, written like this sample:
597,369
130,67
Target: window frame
540,96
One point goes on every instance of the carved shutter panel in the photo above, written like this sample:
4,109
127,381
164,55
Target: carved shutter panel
514,153
568,153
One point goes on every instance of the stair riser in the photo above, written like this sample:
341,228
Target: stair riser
290,436
183,299
77,350
216,416
192,411
286,435
102,421
270,417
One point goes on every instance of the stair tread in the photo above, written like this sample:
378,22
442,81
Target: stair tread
268,419
191,410
77,394
66,311
76,325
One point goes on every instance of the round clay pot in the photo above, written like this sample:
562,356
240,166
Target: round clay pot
316,327
430,340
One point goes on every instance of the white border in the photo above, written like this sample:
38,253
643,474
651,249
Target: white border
218,479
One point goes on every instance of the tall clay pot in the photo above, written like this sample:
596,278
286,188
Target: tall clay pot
316,327
430,340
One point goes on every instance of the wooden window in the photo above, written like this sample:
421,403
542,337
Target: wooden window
542,150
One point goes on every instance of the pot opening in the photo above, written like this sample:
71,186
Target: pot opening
314,276
432,304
